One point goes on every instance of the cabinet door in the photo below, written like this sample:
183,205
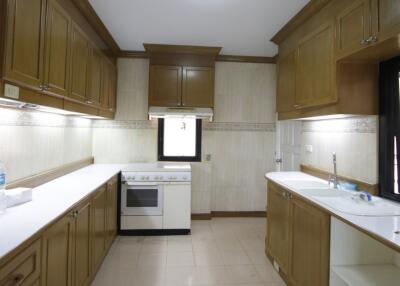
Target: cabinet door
24,268
286,83
57,253
94,76
82,251
111,221
105,82
165,87
58,28
309,245
278,218
25,42
79,64
198,87
112,96
176,207
353,27
386,18
315,68
99,225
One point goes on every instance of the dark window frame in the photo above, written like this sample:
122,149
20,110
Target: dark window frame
161,157
389,126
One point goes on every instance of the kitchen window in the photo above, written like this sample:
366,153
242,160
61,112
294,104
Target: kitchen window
389,129
179,139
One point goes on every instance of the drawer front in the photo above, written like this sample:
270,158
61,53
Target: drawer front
24,269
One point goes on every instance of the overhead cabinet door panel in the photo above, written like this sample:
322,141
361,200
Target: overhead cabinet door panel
79,64
58,29
315,69
25,40
198,87
165,85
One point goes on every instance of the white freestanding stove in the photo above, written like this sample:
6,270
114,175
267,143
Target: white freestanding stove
155,198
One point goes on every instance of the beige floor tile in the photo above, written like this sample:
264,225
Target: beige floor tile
208,258
228,244
149,276
158,260
180,258
257,257
154,246
235,257
179,276
242,274
179,245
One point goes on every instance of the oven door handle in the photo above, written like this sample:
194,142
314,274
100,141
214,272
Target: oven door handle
141,184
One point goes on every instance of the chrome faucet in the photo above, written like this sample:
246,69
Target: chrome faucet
333,178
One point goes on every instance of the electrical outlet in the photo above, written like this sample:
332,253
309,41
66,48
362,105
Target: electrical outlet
11,91
309,148
208,157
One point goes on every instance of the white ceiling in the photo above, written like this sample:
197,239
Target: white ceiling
241,27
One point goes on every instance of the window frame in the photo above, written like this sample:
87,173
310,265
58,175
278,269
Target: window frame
389,127
160,147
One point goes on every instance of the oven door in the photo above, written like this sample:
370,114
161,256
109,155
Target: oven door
141,199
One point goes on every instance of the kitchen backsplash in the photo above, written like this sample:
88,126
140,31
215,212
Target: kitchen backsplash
355,141
240,141
32,142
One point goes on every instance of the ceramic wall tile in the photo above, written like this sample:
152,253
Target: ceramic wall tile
355,141
33,142
240,141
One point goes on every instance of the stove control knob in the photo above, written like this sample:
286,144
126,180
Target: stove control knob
147,178
133,177
160,178
143,177
156,178
184,178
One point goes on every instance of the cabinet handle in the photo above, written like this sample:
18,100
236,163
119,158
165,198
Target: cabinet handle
41,86
13,280
372,39
74,214
297,106
89,102
364,42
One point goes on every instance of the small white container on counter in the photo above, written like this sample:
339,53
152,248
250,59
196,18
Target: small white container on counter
18,196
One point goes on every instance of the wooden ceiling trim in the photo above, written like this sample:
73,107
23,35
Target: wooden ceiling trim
94,20
133,54
303,15
245,59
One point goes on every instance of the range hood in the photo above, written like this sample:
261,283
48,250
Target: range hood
165,112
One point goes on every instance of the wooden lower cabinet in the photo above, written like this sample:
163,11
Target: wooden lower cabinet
57,253
298,236
278,225
82,248
24,269
111,211
69,251
309,244
99,227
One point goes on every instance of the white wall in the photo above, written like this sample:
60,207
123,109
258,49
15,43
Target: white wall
355,141
33,142
241,140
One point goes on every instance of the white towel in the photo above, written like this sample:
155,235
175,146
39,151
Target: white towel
18,196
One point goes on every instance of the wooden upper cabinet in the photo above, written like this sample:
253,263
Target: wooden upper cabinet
309,245
285,100
386,18
315,68
108,85
165,86
57,253
198,87
79,64
278,225
24,42
57,50
353,28
112,96
94,76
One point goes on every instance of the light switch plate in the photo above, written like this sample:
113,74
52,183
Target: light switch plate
309,148
11,91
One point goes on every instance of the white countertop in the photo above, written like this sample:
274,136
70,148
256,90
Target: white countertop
382,227
50,201
157,167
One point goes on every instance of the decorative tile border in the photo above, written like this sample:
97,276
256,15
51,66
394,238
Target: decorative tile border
367,124
11,117
126,124
239,126
207,126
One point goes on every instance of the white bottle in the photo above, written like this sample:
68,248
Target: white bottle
3,201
